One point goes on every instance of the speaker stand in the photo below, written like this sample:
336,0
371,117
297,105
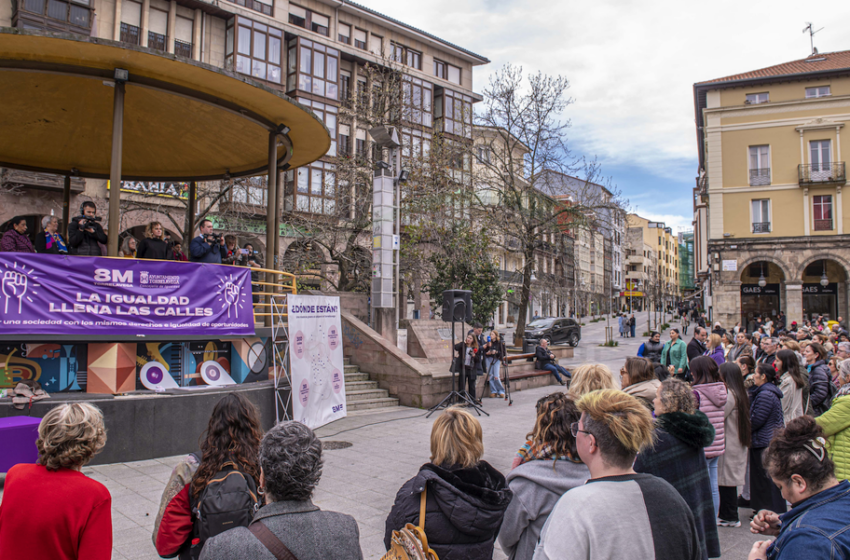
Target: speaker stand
457,397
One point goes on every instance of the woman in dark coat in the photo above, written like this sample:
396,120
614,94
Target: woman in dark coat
765,418
466,498
468,364
678,456
819,379
153,246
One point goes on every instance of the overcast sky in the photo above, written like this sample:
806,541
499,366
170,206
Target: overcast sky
632,66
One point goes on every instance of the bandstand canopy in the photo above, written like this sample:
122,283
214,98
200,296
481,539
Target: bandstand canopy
183,120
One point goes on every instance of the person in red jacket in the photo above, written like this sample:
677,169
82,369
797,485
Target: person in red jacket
50,510
233,435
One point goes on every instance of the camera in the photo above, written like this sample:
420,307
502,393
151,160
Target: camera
90,222
213,238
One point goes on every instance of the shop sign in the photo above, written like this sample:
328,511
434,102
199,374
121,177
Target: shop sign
831,289
165,189
756,290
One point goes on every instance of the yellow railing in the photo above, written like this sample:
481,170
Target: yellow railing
274,282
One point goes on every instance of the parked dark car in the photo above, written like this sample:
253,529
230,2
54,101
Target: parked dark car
557,330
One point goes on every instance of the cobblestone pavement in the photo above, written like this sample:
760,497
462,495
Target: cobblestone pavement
387,449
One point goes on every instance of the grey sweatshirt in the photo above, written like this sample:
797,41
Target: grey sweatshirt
537,487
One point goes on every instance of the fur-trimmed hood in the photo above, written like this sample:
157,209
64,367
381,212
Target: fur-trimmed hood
694,430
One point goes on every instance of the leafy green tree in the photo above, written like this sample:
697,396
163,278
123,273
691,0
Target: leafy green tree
465,265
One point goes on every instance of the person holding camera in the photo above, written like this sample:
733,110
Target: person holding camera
155,245
85,232
208,247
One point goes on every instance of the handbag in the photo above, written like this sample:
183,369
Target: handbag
410,542
270,541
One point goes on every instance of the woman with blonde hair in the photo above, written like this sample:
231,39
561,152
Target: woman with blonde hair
155,245
715,349
590,377
73,512
465,497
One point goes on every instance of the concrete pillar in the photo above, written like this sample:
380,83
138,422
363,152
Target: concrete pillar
172,26
146,16
116,31
794,302
196,35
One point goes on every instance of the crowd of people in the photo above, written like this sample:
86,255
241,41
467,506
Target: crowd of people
86,237
648,467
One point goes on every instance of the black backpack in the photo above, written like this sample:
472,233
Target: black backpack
229,500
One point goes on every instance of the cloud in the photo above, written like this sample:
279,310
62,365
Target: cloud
632,66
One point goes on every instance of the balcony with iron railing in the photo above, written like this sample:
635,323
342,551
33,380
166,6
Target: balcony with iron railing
759,177
761,227
823,225
822,174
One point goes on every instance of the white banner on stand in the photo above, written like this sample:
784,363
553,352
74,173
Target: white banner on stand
316,359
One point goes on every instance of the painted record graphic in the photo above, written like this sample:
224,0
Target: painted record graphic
257,357
154,374
214,374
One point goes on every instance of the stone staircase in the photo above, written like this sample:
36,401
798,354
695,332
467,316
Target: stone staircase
363,394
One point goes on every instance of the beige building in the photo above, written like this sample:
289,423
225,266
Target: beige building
660,282
313,50
771,229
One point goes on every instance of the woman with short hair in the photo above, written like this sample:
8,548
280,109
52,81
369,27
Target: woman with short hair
715,349
547,466
15,239
817,525
51,510
590,377
465,498
638,379
50,241
154,246
290,459
682,432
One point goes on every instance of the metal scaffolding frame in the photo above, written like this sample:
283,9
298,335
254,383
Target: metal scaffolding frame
280,355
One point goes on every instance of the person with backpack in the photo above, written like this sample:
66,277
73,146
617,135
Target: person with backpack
289,526
216,489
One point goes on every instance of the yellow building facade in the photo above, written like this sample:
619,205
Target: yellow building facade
770,220
660,281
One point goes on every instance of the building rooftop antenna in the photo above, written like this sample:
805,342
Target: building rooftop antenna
812,36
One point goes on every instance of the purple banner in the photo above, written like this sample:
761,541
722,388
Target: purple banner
53,294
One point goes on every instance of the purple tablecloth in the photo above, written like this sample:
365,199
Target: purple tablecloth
17,440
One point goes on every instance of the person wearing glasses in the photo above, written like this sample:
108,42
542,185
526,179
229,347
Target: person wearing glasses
623,514
817,525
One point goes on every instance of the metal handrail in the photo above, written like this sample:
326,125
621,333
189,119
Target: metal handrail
816,173
287,284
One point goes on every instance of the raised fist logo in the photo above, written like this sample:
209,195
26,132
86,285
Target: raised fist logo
231,295
14,285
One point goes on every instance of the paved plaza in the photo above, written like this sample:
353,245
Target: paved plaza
387,448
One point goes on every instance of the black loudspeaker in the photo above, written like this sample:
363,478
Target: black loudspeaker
457,306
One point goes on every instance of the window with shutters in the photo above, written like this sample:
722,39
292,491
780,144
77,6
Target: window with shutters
344,147
312,68
308,19
344,33
360,143
131,22
158,30
183,34
376,45
447,71
359,38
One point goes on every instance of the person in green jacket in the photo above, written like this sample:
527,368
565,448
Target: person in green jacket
835,423
674,355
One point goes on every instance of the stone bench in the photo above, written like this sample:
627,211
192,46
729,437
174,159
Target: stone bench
523,373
